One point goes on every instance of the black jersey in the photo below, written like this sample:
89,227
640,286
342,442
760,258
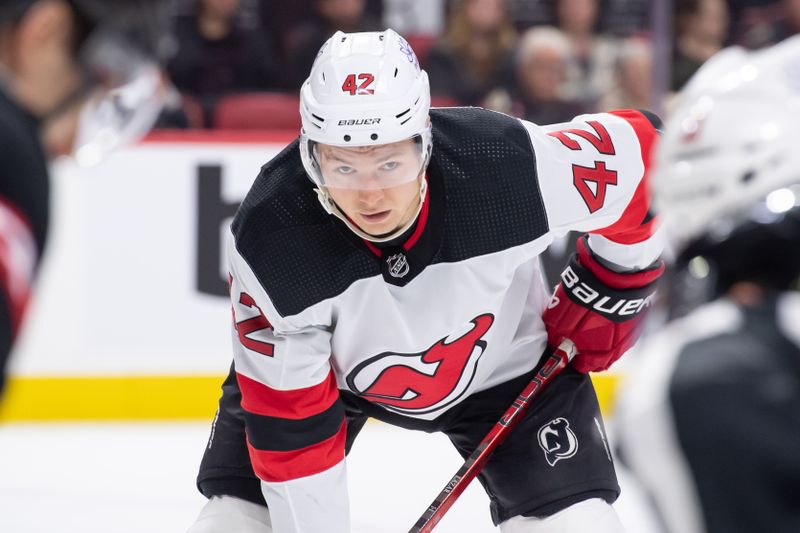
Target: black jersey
711,421
24,204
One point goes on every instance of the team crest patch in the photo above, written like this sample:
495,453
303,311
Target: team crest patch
428,380
398,265
557,440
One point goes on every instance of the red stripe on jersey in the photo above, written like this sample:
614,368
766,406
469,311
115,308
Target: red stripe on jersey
372,248
421,221
286,466
295,404
16,299
629,228
17,261
636,235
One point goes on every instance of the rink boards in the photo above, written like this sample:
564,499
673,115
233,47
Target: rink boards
131,315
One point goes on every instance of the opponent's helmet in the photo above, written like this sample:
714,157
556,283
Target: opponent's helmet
364,89
731,139
728,169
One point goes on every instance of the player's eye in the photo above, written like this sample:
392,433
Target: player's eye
390,165
345,169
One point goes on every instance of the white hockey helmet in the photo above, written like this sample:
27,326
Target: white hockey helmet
365,89
729,146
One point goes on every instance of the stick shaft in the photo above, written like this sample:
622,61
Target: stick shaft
556,362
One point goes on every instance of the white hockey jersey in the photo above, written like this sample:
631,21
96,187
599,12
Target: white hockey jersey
417,326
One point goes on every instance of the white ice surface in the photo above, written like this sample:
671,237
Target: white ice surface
135,478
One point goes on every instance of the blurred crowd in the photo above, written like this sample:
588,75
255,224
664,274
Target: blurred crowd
240,63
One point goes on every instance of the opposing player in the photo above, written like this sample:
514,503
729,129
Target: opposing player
386,265
81,75
710,422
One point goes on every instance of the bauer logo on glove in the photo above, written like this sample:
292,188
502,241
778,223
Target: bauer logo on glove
599,309
614,305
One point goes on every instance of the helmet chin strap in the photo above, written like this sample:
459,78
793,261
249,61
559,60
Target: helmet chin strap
332,208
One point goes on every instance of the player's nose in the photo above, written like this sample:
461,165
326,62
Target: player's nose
370,197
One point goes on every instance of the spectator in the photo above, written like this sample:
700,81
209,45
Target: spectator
216,55
594,53
475,54
771,24
625,18
702,30
541,70
277,19
281,19
304,41
527,13
634,75
410,17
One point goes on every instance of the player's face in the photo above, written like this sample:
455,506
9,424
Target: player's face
371,185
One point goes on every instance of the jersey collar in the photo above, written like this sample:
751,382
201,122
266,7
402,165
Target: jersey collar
403,258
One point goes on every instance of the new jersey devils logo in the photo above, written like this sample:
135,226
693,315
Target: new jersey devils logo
425,381
557,440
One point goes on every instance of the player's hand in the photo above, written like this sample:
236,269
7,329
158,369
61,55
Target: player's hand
598,309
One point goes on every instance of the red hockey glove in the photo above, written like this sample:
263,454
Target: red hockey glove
598,309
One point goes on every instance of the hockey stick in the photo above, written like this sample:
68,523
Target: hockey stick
558,359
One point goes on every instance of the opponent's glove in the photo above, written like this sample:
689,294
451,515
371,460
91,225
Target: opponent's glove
598,309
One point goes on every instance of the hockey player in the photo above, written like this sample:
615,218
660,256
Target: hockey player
77,74
711,421
385,265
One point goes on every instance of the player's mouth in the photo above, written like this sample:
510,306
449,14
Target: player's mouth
377,217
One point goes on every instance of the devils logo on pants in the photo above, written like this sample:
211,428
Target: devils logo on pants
557,440
424,381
